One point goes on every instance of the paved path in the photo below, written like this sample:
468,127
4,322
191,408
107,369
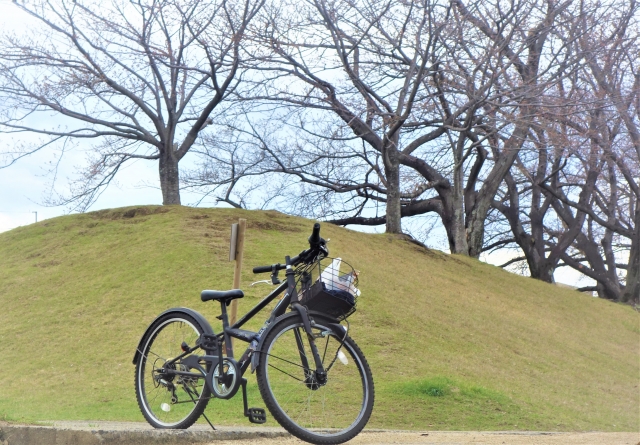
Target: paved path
130,433
468,438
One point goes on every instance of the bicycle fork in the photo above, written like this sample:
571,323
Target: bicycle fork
320,377
320,373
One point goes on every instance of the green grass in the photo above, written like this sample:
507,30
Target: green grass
454,404
453,343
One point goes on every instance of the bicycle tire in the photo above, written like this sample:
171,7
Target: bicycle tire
154,398
323,414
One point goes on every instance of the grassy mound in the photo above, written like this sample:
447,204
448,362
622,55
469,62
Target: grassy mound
453,343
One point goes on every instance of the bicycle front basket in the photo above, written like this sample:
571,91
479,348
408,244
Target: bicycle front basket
324,288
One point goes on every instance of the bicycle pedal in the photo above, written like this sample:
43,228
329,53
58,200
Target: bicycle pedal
257,415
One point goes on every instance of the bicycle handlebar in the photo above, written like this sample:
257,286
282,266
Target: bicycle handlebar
315,242
263,269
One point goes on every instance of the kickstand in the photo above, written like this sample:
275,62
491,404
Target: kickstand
209,422
203,414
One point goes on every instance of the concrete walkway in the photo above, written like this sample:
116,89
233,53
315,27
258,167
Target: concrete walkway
126,433
130,433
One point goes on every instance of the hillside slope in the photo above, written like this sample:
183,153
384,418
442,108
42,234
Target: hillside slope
453,343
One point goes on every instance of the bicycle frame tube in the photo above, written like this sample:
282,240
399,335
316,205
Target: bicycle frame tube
261,305
290,299
235,332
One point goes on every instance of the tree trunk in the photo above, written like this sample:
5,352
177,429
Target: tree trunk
478,214
607,288
631,293
452,216
392,172
169,178
540,267
545,272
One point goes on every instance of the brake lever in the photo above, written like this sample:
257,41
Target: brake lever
274,275
261,281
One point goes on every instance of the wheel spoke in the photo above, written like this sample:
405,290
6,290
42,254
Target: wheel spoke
285,372
290,362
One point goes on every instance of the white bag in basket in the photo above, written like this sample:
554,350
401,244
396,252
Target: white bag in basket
332,280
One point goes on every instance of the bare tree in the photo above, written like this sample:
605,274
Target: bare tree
606,247
609,249
141,78
561,152
505,101
580,185
525,28
613,62
606,250
529,208
364,62
417,106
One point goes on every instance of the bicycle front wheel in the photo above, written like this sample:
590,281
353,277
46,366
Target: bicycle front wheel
322,413
167,399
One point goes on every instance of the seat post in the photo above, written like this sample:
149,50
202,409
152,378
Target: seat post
225,325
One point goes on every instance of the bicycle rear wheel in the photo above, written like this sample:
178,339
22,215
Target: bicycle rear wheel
170,401
328,413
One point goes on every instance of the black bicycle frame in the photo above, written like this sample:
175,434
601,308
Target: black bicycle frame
248,336
234,331
290,299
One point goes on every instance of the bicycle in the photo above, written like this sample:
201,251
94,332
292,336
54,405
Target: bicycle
312,376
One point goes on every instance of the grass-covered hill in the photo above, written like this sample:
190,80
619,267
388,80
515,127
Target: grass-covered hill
453,343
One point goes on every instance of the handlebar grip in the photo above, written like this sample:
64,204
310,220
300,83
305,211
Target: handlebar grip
261,269
314,239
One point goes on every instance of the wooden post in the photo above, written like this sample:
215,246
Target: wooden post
239,249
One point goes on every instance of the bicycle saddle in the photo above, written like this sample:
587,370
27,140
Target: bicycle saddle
222,295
